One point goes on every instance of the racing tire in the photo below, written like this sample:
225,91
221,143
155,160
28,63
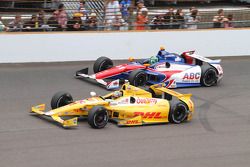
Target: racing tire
209,76
178,112
102,63
138,78
98,117
61,99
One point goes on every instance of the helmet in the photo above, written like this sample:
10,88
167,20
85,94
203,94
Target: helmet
117,94
153,60
162,47
131,59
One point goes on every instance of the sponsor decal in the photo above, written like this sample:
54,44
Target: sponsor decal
162,65
192,76
124,101
156,115
133,122
82,101
113,103
177,58
121,67
171,84
91,99
113,84
146,101
219,68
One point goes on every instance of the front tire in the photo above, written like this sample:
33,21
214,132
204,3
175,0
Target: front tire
178,112
138,78
209,76
61,99
102,63
98,117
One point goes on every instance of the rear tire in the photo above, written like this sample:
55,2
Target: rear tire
209,76
178,112
138,78
98,117
102,63
61,99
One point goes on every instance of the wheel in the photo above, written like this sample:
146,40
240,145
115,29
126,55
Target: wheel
208,76
137,78
101,64
178,112
98,117
61,99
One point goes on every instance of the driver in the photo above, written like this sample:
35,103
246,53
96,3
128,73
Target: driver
116,94
153,60
164,55
162,52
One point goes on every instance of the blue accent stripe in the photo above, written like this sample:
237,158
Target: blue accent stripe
180,85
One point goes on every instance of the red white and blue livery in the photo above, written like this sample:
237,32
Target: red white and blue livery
185,70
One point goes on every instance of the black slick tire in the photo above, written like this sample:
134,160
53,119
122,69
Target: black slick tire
61,99
178,112
98,117
102,63
209,76
137,78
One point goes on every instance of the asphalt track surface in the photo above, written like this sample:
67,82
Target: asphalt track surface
219,134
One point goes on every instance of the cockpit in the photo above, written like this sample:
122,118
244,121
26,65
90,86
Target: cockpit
127,90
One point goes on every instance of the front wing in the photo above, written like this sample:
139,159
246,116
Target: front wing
39,109
83,74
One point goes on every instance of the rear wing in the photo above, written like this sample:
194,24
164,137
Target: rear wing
201,58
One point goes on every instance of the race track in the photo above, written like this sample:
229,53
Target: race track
219,134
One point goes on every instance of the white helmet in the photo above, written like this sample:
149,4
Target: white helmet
117,94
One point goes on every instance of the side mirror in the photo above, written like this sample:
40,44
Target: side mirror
92,94
146,65
167,64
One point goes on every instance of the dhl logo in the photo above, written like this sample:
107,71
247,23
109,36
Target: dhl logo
156,115
133,122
